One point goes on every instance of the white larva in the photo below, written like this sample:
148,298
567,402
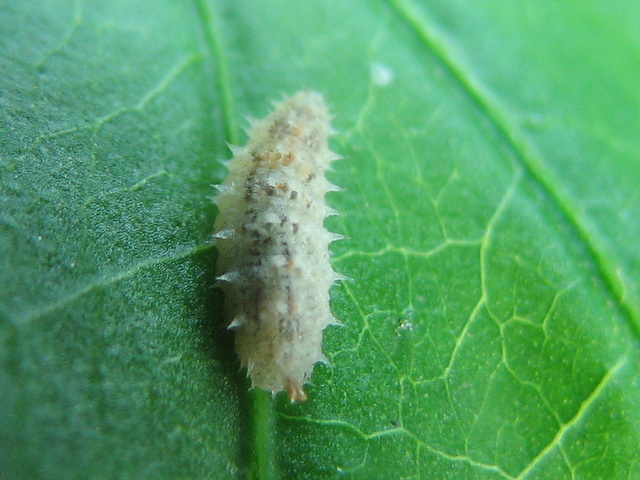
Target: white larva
273,262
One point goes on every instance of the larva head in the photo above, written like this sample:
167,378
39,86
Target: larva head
298,124
307,117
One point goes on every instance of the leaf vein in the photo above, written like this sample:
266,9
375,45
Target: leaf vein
605,266
110,280
579,416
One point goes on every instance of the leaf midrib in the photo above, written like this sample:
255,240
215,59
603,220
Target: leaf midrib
211,31
261,456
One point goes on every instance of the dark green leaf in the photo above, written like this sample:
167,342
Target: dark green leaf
492,158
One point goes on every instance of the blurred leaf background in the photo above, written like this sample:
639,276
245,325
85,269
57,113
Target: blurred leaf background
490,204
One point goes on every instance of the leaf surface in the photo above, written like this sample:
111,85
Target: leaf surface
490,204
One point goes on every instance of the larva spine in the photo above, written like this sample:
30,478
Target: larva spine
273,263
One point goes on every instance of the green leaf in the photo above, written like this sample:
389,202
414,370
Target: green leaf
492,320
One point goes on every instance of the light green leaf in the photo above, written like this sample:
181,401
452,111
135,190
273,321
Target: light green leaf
490,204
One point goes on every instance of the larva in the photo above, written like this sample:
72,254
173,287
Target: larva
273,264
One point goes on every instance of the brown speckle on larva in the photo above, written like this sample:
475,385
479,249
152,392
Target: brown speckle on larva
273,262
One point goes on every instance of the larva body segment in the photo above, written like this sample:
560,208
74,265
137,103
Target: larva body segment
273,262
